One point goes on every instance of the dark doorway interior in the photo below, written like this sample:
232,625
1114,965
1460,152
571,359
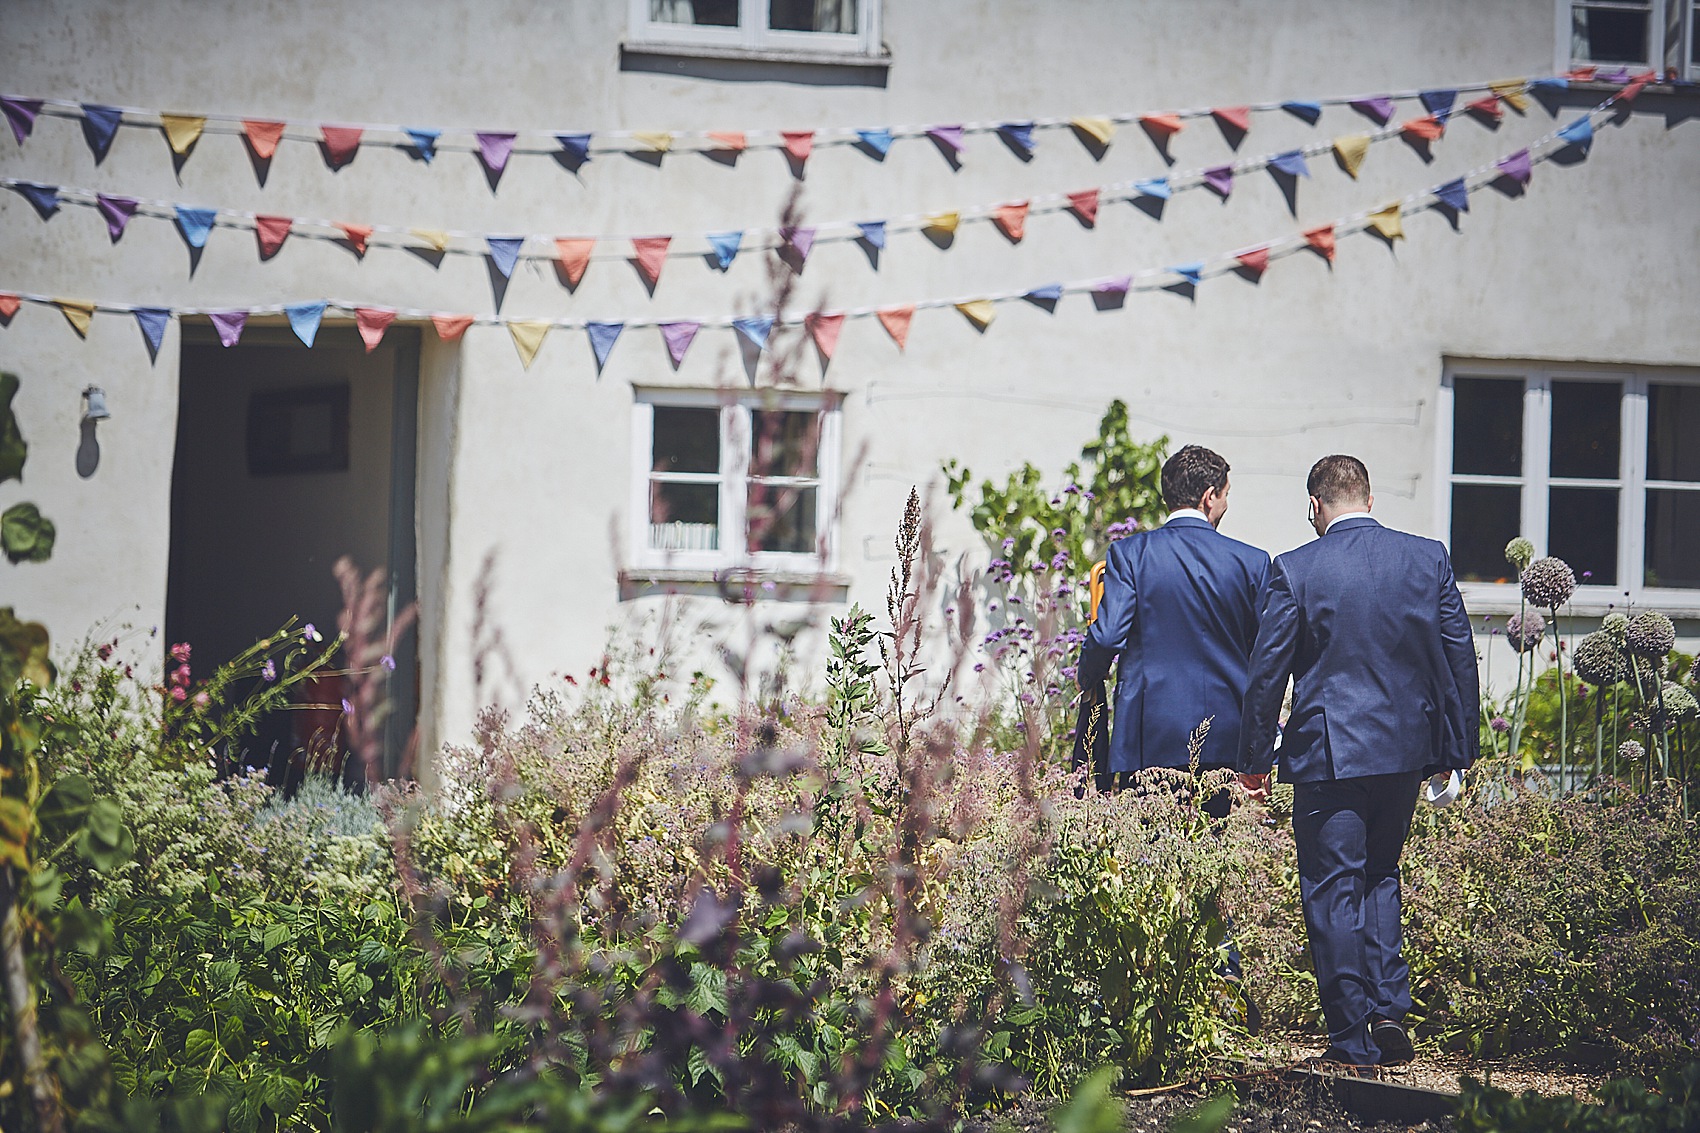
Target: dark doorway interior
288,459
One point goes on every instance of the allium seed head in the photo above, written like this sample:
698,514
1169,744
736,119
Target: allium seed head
1631,751
1548,583
1525,630
1680,703
1518,552
1599,659
1615,624
1650,634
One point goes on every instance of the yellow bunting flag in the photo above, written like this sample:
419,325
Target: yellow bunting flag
658,140
944,222
1351,149
1100,130
182,131
438,240
78,313
528,337
1513,92
1389,222
980,312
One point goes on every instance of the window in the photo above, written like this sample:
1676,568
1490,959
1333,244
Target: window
1613,31
724,480
1590,465
804,27
1692,57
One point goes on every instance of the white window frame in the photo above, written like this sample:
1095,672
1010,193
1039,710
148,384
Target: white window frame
753,36
1632,482
736,452
1690,37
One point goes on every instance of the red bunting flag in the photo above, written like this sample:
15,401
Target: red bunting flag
1163,125
1012,219
651,255
1322,239
729,139
262,137
451,327
1085,206
271,231
799,143
1256,261
574,257
341,143
357,235
1427,128
1239,117
1635,87
1582,74
1488,107
9,304
372,322
896,321
824,329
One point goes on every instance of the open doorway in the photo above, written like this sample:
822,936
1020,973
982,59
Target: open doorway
288,459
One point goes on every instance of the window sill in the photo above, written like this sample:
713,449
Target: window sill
735,584
1502,601
641,50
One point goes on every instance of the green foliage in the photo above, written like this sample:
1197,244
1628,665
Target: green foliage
13,450
1628,1105
26,536
852,701
1094,1108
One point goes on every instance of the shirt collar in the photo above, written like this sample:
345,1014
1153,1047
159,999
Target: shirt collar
1348,515
1187,513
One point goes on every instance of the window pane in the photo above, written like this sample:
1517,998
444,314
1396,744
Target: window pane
1487,427
1608,35
684,517
1587,430
813,15
686,440
786,443
1484,520
1582,530
1673,414
1673,539
782,519
703,13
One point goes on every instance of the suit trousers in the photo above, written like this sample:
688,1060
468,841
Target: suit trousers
1349,834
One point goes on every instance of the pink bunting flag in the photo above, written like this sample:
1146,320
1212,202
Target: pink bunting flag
1163,125
341,143
824,328
9,305
1427,128
451,327
357,235
1487,107
1220,180
1256,261
573,254
372,322
1085,206
728,140
262,137
1012,219
896,322
494,151
1237,117
271,231
799,143
229,325
651,255
1322,239
678,337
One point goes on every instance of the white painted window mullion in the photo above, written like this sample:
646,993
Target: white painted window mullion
1537,456
1633,540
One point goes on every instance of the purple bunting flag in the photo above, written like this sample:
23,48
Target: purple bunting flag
799,239
1455,195
877,140
424,142
229,325
577,146
725,245
1292,163
602,338
117,212
678,337
756,328
950,137
196,225
1220,180
21,112
45,198
494,151
1310,112
152,321
1439,102
304,319
1117,285
100,123
1619,76
873,231
1378,108
504,252
1518,167
1019,135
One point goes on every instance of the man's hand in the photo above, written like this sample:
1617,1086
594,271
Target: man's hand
1257,786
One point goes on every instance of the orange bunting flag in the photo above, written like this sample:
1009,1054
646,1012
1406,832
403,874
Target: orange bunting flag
262,137
9,305
1322,239
271,231
372,322
451,327
729,139
1012,219
1511,90
824,329
574,256
896,321
1350,149
1255,261
1085,206
1239,117
341,143
1487,106
357,235
799,143
980,312
1427,128
182,131
651,254
1163,125
78,313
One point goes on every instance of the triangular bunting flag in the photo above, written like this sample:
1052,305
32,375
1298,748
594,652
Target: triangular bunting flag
341,143
1427,128
494,151
725,245
229,325
1048,293
1084,204
950,137
435,237
504,252
357,235
20,113
602,339
1020,135
424,142
877,140
1220,180
873,231
1439,102
116,211
1389,222
1192,274
1117,285
656,141
1511,90
78,313
944,222
195,224
651,254
1350,149
1378,108
980,312
1322,239
1455,195
1634,88
372,322
1157,187
1236,117
181,131
1619,75
1310,112
1292,163
1100,130
1012,219
573,254
1551,83
824,328
733,140
100,123
678,337
152,322
896,322
9,305
271,232
1163,125
800,240
799,143
576,147
1255,261
1487,107
1579,133
755,328
263,137
1582,74
528,339
450,327
44,198
1518,167
304,320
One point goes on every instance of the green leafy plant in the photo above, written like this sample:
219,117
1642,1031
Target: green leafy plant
25,534
1627,1105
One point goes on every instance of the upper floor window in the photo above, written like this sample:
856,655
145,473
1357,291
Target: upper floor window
839,27
1656,34
1590,465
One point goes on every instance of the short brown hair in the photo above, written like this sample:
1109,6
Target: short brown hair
1190,473
1339,479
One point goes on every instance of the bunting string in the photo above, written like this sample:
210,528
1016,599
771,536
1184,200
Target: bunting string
1385,220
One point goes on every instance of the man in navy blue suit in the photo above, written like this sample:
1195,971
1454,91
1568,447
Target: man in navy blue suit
1180,607
1369,624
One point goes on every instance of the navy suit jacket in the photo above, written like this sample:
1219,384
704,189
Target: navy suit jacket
1180,606
1369,623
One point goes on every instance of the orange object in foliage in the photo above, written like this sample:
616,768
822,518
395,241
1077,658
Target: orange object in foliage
1095,587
